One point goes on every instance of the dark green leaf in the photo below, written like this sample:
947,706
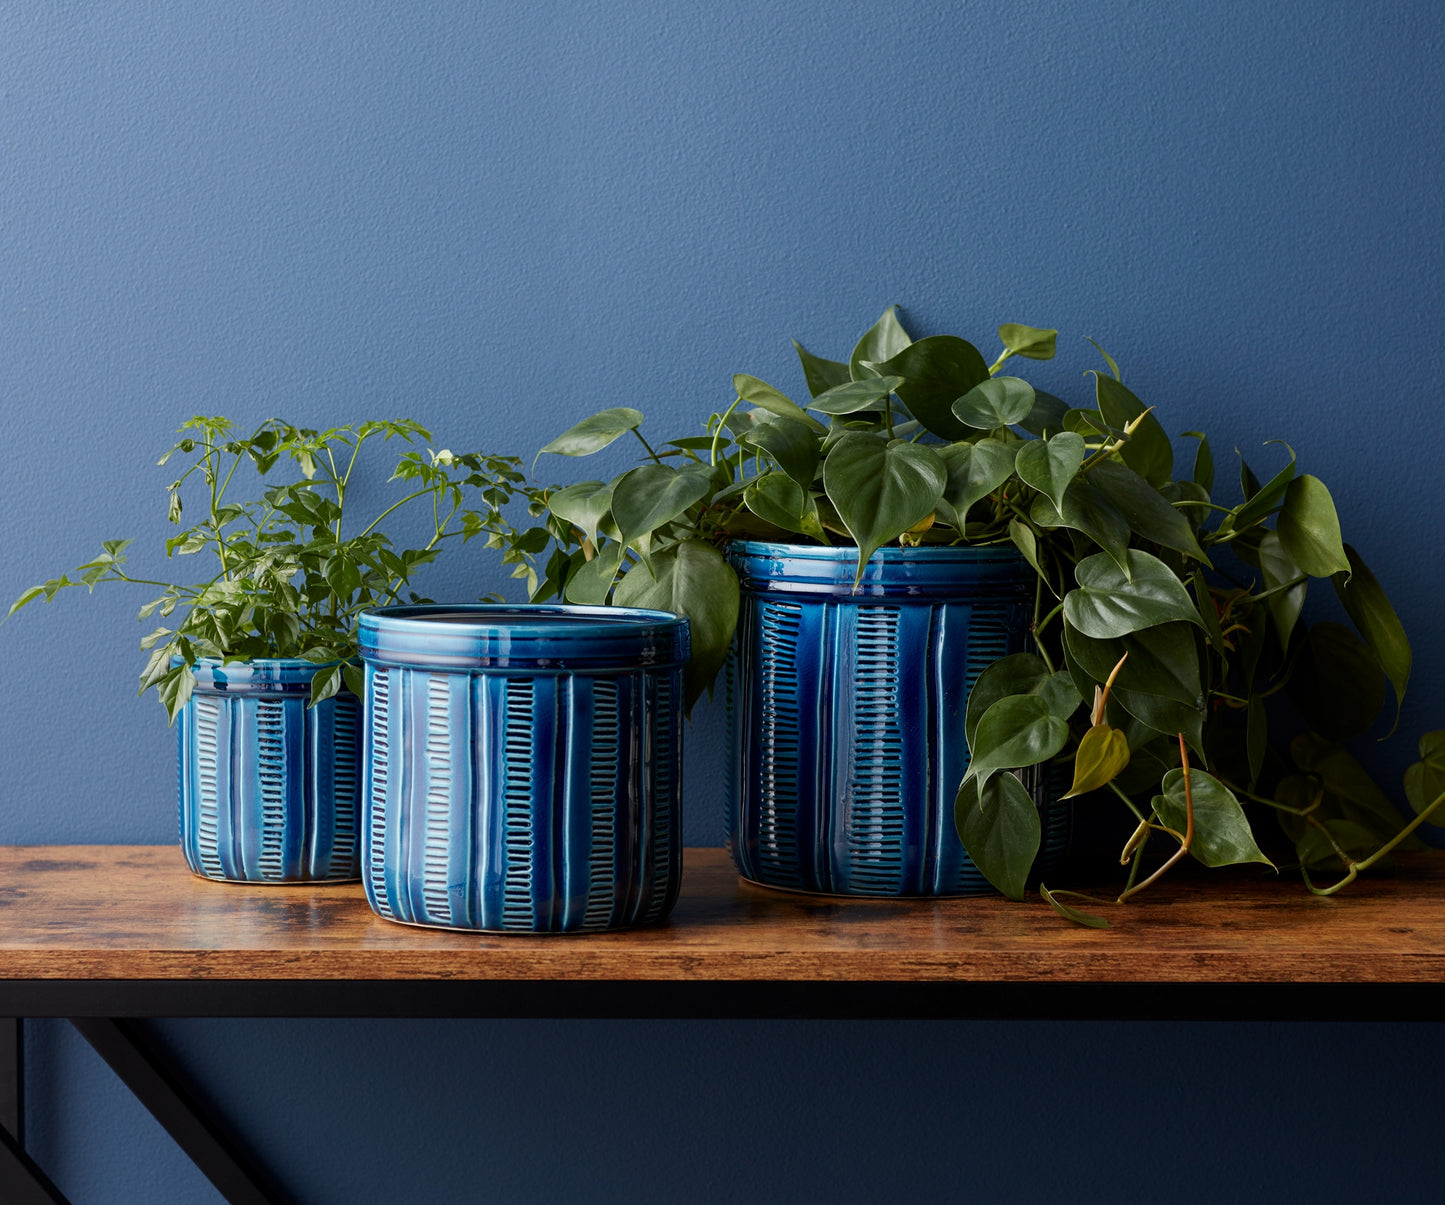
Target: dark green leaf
355,678
1256,737
1208,613
1150,517
1425,780
1071,913
1370,611
869,394
1018,731
1148,451
325,683
1047,416
1309,528
1337,685
1284,601
936,371
1019,674
595,433
1108,604
821,374
999,825
1088,511
591,581
1163,660
1049,465
1350,791
694,580
882,341
1028,341
1203,462
974,470
1318,849
776,498
1222,836
998,402
793,447
1168,717
651,495
1023,538
175,690
881,489
1259,501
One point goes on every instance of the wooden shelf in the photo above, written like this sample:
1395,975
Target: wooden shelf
120,930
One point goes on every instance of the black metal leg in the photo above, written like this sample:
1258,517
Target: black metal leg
159,1087
21,1182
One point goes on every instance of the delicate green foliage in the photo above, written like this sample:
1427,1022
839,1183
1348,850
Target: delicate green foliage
974,471
1000,828
871,393
1222,836
881,488
1028,341
765,397
776,498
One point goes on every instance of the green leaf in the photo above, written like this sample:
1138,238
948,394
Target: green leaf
1208,613
1203,473
776,498
1070,913
1018,731
1023,538
1108,359
325,684
999,826
583,505
1049,465
882,341
1088,511
820,374
1425,780
694,580
936,371
343,577
1309,528
1163,660
355,678
28,597
1259,501
595,433
1028,341
175,690
651,495
1047,416
591,581
1168,717
869,394
1222,836
1102,756
1148,451
1146,511
997,402
1350,791
1019,674
974,470
765,397
1374,618
1337,684
881,489
1108,604
1284,602
793,447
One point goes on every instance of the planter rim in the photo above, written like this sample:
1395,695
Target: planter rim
524,637
260,675
937,572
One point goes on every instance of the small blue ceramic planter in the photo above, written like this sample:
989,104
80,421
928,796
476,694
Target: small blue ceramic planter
845,713
524,766
269,787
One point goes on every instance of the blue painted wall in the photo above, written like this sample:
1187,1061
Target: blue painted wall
498,218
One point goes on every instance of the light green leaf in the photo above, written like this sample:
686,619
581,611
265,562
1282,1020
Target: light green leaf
694,580
820,374
869,394
1108,359
651,495
883,340
1028,341
1102,756
595,433
591,581
1309,528
1146,511
1049,465
776,498
584,505
1069,912
765,397
175,690
1222,836
1018,731
881,489
936,371
997,402
999,826
1374,618
1108,604
1023,538
1259,501
974,470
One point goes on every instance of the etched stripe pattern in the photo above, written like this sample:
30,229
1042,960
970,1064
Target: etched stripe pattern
517,912
777,724
271,776
380,770
207,718
876,828
436,844
344,718
658,793
602,782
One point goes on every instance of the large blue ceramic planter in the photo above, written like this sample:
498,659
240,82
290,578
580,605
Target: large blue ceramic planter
845,712
269,789
524,766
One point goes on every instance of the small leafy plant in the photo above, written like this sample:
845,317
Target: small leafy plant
292,569
1166,625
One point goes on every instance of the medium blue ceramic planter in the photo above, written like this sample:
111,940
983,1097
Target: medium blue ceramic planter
845,712
269,789
524,766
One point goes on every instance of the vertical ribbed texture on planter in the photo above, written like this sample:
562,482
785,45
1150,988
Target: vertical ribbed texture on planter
524,766
269,787
845,714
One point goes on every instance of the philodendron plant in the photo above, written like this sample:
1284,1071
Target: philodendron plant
1166,623
290,570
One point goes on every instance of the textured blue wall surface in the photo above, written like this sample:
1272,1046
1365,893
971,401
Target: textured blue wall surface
498,218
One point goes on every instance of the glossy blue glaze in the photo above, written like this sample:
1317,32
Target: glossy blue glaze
845,714
269,789
524,766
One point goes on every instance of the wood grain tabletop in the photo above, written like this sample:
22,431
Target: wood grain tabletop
101,912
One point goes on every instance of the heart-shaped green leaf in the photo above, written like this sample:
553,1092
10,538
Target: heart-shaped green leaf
1028,341
999,826
974,471
1148,451
1309,528
1374,618
1022,536
1088,511
694,580
1049,465
774,401
1284,601
1069,912
881,488
820,374
1019,674
1222,836
1047,416
1151,517
793,447
591,581
776,498
882,341
998,402
1018,731
936,371
1168,717
1108,604
1425,780
651,495
583,505
1163,660
595,433
870,394
1102,756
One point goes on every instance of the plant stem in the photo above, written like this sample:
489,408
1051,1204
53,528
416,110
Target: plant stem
1188,829
1356,867
646,445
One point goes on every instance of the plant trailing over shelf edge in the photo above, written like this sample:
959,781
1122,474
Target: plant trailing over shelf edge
290,575
1153,664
